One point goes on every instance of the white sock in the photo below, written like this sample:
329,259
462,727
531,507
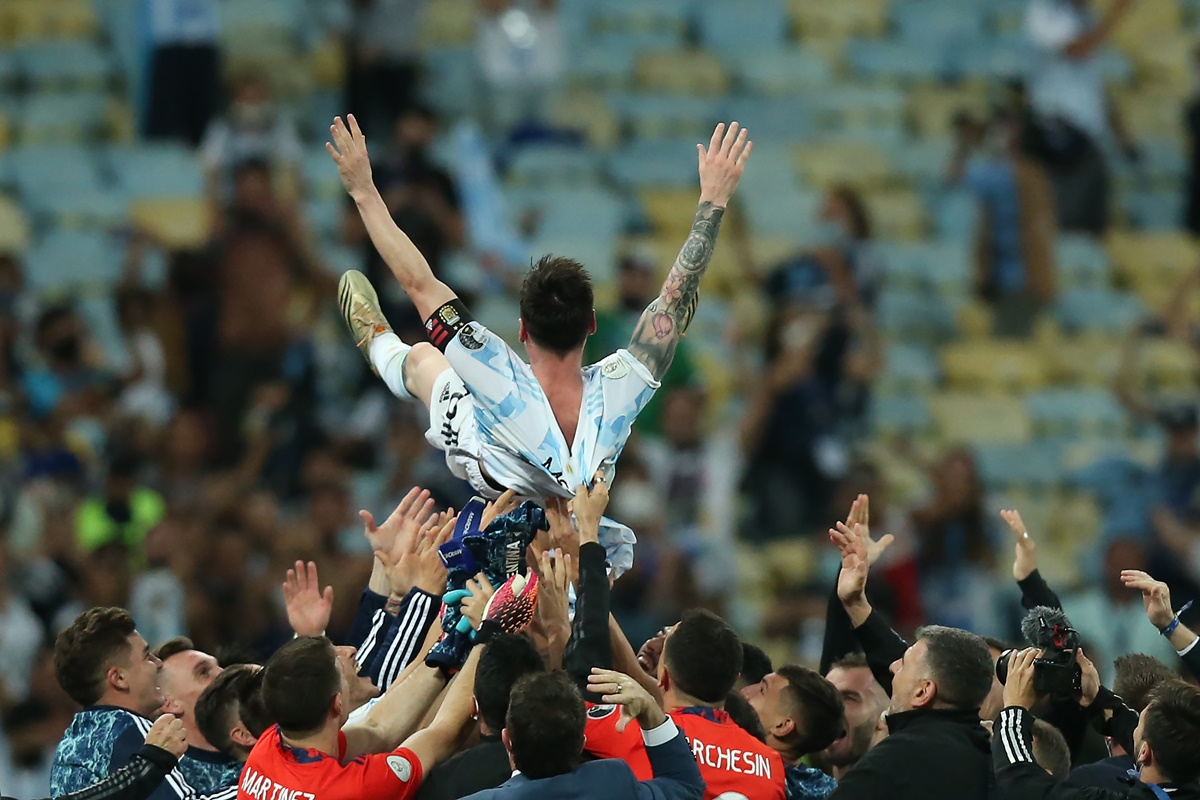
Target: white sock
387,356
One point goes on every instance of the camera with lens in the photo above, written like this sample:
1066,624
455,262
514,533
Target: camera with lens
1055,671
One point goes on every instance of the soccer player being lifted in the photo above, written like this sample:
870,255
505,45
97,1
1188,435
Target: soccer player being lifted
542,428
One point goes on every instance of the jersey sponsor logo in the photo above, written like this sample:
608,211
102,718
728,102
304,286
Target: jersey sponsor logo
401,767
601,712
743,762
471,337
615,369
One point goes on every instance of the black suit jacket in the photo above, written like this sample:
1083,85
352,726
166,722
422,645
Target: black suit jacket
484,766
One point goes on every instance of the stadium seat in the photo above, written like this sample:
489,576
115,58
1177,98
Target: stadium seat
748,24
1163,255
853,107
955,215
941,267
915,317
921,22
178,223
875,60
775,72
570,212
160,170
1081,262
990,59
1169,364
994,365
602,68
448,22
908,368
451,80
785,118
817,20
37,170
1098,310
897,215
932,109
64,64
552,164
855,163
659,116
1089,360
639,16
1034,466
319,173
80,208
691,72
924,162
14,227
53,119
1151,112
782,210
1076,413
900,414
655,163
980,418
1154,210
67,259
587,114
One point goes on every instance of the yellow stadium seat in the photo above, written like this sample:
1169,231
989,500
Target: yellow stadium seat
1152,256
898,215
1167,63
587,113
970,418
328,64
663,208
1152,112
14,227
791,561
932,109
991,365
1144,24
178,223
68,18
860,164
691,72
1169,364
1090,361
822,19
448,22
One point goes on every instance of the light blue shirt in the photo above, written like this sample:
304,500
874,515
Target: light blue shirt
182,22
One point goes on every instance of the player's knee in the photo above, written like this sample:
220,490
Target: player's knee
422,354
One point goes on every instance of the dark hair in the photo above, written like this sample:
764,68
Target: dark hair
703,655
743,715
51,317
557,304
1172,728
1136,675
996,644
505,660
1050,749
299,682
960,664
756,664
84,652
173,647
220,705
545,723
817,709
855,659
860,220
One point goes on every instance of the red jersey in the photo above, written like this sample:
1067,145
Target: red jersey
732,762
276,771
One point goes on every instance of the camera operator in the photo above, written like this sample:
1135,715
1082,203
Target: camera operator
1162,738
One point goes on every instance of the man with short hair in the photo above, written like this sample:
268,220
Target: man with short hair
1050,750
701,660
1163,738
308,754
507,659
544,735
230,712
864,701
105,665
936,746
186,673
542,428
802,714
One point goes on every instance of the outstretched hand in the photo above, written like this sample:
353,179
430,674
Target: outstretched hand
860,517
619,689
1025,559
722,164
308,608
852,579
349,152
1156,597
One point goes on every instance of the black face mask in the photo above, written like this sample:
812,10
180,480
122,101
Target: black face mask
119,511
65,349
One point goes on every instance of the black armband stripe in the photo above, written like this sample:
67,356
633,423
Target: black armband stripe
445,322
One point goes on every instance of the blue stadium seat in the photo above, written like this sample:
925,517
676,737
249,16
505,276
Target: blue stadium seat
670,16
323,216
924,21
734,27
915,316
66,259
610,67
906,414
875,60
48,119
542,164
67,168
655,164
80,208
1036,465
1058,413
8,70
944,267
908,366
319,173
924,161
66,62
955,215
780,71
1098,310
1161,159
990,59
1081,262
666,115
570,212
782,210
779,119
158,170
451,80
1154,210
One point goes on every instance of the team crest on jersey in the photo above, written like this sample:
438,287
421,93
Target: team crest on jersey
615,369
400,766
600,712
470,337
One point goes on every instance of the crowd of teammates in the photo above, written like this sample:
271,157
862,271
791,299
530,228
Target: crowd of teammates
543,696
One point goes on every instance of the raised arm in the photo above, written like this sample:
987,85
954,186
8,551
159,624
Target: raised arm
667,317
349,152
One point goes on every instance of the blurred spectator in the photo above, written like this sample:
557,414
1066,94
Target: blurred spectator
523,57
383,69
185,68
144,395
1014,238
20,636
1073,120
1111,618
158,599
254,128
30,736
955,553
637,286
69,371
695,472
424,202
11,281
846,260
123,514
1191,120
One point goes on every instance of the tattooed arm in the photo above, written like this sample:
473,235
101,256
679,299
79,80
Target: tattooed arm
667,317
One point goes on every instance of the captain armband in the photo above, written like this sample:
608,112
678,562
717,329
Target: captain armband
445,322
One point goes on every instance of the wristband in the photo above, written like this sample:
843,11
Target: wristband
445,322
1167,631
